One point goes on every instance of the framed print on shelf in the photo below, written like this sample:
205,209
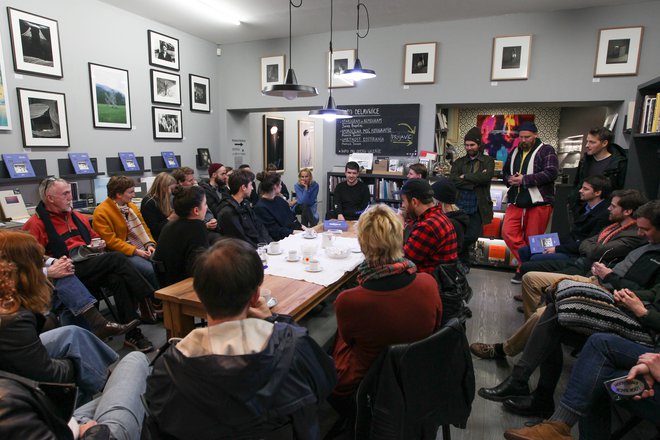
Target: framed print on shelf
165,87
200,93
419,63
272,70
511,57
618,51
167,123
305,144
341,60
43,118
163,50
5,114
35,42
111,106
274,142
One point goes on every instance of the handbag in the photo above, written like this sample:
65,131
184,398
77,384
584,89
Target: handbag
82,253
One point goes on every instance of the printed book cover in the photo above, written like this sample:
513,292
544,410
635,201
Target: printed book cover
81,163
129,161
18,165
170,159
538,243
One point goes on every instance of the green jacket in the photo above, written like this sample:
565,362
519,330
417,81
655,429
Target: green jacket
478,181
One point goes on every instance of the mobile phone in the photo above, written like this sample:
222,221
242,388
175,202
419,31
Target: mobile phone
622,388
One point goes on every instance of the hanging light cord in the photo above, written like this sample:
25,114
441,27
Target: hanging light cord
330,46
357,31
290,52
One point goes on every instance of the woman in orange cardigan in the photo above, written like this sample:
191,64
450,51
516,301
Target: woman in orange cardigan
119,222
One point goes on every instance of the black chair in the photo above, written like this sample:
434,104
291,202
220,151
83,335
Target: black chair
413,389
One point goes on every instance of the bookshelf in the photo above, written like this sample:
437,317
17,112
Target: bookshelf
382,187
645,147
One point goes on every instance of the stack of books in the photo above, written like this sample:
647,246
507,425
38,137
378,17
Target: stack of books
649,121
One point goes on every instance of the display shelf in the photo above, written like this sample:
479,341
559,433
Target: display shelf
66,171
644,148
40,171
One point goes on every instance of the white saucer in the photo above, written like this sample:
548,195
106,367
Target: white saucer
356,250
272,302
275,253
309,237
309,269
294,260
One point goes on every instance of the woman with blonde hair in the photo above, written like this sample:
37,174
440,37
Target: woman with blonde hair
62,355
156,207
307,191
403,305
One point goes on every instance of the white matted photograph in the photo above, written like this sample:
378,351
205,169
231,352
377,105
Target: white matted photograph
272,70
167,123
305,144
111,107
163,50
511,56
340,60
419,63
165,87
43,118
5,113
35,42
618,51
200,93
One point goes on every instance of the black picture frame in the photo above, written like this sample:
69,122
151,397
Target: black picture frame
50,129
167,123
165,87
200,93
109,86
274,142
163,50
35,42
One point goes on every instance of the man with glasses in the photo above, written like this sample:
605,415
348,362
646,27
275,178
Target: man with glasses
472,174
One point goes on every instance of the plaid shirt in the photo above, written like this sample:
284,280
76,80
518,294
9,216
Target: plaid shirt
432,240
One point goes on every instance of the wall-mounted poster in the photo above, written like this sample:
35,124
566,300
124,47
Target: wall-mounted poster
35,41
163,50
43,118
305,144
5,116
274,142
200,93
167,123
111,106
165,88
499,133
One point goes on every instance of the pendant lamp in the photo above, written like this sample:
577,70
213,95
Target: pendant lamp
358,73
290,89
330,112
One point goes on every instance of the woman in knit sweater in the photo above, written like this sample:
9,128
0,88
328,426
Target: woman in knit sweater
272,209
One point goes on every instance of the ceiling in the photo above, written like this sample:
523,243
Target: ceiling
269,19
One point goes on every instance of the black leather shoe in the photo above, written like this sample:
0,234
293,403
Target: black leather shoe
113,329
505,390
530,406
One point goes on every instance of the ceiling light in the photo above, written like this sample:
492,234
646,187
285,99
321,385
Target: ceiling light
290,89
222,13
358,73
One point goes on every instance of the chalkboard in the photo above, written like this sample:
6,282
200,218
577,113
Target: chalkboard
384,130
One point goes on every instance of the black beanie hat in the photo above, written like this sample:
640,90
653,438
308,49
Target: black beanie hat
474,135
444,190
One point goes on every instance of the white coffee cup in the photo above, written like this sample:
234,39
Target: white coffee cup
274,247
327,240
310,233
314,265
308,251
266,294
293,255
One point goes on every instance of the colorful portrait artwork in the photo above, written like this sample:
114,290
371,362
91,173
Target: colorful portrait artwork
499,133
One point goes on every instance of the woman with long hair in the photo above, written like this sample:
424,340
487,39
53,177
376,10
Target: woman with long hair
156,207
272,210
64,354
307,191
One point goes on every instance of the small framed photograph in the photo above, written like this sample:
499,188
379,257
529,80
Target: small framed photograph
43,118
200,93
35,42
163,50
618,51
165,87
5,114
167,123
274,142
511,57
340,60
305,144
420,63
272,70
111,106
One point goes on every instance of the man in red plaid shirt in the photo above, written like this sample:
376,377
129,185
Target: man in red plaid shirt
432,240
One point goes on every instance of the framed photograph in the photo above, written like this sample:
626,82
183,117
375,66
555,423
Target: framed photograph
341,60
165,87
35,42
167,123
163,50
272,70
200,93
5,115
618,51
305,144
511,57
274,142
111,106
419,63
43,118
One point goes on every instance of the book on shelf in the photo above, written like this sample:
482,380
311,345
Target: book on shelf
380,165
18,165
81,163
649,122
13,207
129,161
170,159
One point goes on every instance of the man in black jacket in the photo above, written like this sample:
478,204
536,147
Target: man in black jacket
350,197
216,188
249,374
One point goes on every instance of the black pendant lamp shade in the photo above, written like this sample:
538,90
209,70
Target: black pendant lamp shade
358,73
330,112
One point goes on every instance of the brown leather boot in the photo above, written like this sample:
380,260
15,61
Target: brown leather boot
547,430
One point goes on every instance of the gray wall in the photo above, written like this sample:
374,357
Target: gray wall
91,31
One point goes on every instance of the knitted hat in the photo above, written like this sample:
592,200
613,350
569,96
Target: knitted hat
213,168
528,126
444,190
473,135
417,188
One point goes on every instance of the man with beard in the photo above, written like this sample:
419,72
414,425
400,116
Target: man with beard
472,174
529,172
351,196
216,188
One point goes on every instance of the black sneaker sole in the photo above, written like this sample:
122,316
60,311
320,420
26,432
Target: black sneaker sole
136,348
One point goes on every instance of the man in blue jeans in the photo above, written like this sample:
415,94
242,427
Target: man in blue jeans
604,356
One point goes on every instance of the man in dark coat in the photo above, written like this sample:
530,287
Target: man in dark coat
216,188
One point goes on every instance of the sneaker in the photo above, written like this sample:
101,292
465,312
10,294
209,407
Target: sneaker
518,298
517,278
485,351
137,341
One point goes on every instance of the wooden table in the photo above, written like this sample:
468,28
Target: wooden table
295,297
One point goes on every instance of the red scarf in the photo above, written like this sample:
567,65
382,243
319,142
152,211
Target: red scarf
612,230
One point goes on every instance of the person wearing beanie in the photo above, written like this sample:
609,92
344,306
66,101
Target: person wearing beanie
444,191
529,172
471,175
216,188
